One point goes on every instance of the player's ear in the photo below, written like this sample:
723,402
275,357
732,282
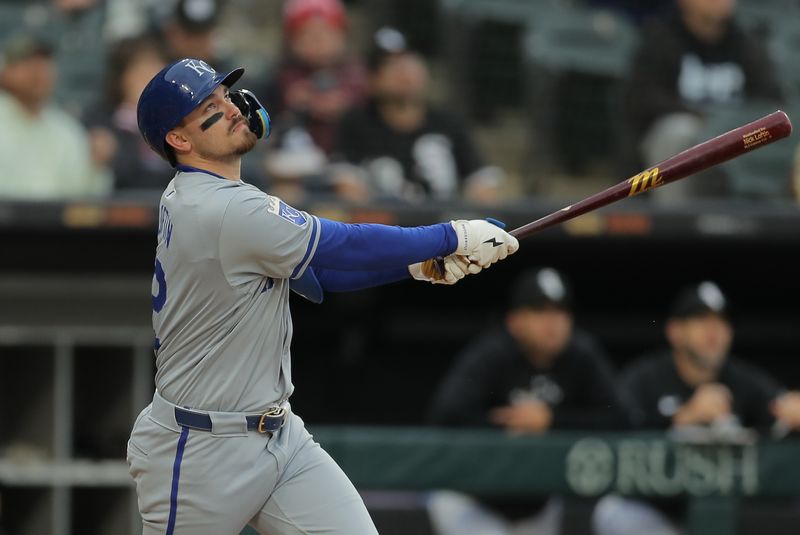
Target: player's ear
178,141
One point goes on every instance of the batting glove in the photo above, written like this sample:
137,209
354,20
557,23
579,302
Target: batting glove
482,242
455,268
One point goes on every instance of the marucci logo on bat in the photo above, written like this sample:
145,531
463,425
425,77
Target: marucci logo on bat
644,181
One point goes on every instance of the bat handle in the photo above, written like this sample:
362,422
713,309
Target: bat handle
438,262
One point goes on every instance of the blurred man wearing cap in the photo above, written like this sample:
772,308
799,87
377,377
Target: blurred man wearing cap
533,374
694,383
189,30
402,147
45,152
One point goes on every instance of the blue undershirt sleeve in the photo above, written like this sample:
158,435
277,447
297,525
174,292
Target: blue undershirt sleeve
372,247
346,281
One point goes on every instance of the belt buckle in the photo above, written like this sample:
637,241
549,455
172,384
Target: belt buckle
272,412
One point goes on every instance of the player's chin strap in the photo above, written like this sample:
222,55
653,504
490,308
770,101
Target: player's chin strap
252,110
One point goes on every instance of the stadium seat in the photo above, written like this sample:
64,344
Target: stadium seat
597,42
81,58
21,16
760,18
575,62
482,49
785,50
764,174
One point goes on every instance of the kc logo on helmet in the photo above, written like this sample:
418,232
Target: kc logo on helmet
200,67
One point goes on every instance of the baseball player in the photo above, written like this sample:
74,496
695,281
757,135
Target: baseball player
219,447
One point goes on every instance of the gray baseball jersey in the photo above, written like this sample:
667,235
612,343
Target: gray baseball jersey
221,293
225,254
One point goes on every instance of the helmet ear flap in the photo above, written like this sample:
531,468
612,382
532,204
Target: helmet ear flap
257,117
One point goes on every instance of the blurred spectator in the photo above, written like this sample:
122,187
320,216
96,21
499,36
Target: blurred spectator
533,374
691,60
696,389
316,81
314,84
45,152
125,19
189,30
114,133
402,147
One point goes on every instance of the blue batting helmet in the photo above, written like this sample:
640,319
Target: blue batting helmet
172,94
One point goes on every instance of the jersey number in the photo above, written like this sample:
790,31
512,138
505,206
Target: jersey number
161,297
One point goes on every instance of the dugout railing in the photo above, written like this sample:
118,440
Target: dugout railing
67,397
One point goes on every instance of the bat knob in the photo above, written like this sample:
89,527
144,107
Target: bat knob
438,265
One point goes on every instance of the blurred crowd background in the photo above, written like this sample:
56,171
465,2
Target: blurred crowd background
414,111
411,101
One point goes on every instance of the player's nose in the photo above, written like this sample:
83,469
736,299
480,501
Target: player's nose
232,111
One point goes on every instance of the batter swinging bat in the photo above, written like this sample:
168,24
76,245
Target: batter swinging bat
720,149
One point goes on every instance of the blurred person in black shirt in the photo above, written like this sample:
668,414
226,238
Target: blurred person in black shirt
114,133
400,146
694,58
535,373
694,387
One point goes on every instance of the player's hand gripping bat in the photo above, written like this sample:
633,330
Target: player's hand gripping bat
713,152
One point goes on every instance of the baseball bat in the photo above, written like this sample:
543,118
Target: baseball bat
722,148
715,151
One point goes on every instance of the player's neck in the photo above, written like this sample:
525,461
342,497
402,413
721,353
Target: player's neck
231,170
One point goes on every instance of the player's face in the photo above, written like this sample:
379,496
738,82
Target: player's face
30,80
542,333
318,43
216,129
399,88
709,9
705,339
